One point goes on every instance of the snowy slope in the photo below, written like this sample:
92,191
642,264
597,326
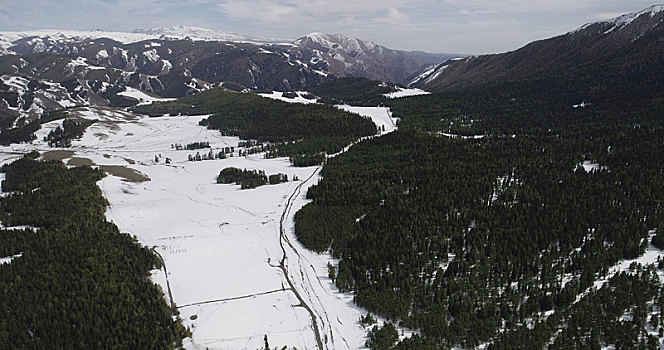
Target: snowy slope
8,38
46,36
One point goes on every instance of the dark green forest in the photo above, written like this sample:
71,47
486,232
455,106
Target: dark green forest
249,178
79,282
70,130
477,215
353,91
298,131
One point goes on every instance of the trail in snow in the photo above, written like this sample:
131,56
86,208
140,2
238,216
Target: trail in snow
282,263
235,298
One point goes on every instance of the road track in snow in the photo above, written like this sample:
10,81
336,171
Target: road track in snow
283,239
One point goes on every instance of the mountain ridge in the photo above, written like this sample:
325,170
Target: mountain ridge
348,56
621,43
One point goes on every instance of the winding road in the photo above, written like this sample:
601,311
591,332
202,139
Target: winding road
283,239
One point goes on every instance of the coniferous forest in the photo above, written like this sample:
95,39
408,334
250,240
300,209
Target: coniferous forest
301,132
78,282
477,222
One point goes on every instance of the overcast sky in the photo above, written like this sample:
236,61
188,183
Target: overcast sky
452,26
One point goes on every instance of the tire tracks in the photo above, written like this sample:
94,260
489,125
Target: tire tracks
282,263
234,298
168,284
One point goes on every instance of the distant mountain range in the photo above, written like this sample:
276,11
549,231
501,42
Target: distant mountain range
328,54
203,34
44,70
629,44
92,67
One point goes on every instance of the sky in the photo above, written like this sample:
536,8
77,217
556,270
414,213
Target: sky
449,26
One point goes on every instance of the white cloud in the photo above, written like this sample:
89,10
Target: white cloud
288,11
394,17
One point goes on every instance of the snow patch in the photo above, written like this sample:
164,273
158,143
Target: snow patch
8,259
102,54
144,98
583,104
151,55
278,95
406,92
381,116
589,167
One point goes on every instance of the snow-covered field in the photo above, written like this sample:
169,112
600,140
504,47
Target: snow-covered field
381,116
406,92
141,96
221,245
278,95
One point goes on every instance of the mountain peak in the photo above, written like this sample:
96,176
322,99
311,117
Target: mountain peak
622,21
338,42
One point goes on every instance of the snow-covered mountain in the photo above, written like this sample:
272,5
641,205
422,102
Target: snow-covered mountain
203,34
631,42
344,56
637,22
50,40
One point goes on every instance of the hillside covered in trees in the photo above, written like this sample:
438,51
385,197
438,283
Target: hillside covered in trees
353,91
75,281
489,215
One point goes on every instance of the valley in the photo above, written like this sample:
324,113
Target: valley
227,251
182,187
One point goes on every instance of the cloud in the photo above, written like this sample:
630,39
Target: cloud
394,17
289,11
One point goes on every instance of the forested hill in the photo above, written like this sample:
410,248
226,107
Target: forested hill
492,214
75,281
629,47
353,91
295,130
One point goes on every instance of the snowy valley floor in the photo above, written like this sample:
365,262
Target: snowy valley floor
221,245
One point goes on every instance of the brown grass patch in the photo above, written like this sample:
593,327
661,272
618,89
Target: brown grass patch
80,162
58,155
125,173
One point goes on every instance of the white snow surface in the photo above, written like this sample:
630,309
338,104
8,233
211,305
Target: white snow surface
202,34
144,98
102,54
8,259
623,20
220,244
151,55
626,19
278,95
406,92
381,116
589,166
583,104
650,257
7,38
427,72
